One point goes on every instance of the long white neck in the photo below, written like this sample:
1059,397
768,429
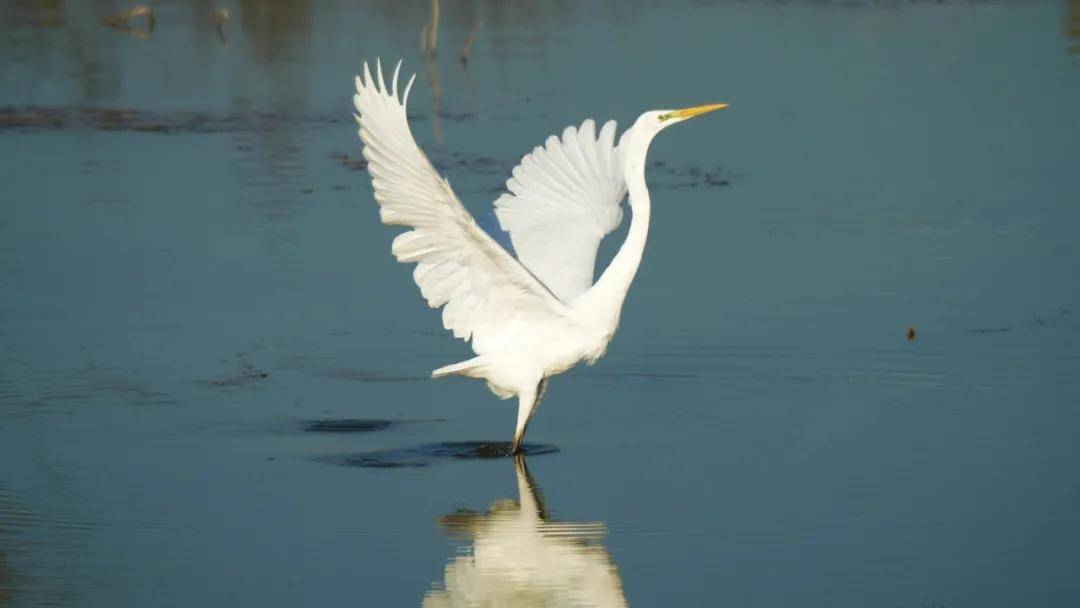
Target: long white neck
606,297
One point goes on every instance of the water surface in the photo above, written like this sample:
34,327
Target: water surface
201,325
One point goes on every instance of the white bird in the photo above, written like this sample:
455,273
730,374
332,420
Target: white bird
536,315
519,557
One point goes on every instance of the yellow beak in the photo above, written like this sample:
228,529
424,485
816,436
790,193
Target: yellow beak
694,111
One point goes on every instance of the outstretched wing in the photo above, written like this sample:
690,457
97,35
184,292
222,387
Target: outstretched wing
564,197
457,264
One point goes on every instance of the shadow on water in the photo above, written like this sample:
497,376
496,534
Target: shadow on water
342,425
433,453
356,425
322,426
518,556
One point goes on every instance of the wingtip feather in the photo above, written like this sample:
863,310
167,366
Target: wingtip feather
408,87
367,75
397,69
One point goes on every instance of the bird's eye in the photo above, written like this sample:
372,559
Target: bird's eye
664,116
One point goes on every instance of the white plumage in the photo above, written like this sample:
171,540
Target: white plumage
564,198
537,315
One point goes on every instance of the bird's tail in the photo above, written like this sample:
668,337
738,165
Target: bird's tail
471,368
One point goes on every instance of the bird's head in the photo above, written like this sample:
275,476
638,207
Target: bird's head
657,120
649,124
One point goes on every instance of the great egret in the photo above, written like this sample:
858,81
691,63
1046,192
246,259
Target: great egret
520,557
536,315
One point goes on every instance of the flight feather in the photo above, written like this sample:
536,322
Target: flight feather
563,198
482,288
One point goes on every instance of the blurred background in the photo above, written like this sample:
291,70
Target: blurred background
846,374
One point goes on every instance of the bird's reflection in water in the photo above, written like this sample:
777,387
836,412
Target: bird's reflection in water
519,557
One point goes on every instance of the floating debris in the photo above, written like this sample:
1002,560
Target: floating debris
124,18
467,47
124,21
221,21
911,333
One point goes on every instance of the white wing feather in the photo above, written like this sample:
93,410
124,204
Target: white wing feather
564,197
485,290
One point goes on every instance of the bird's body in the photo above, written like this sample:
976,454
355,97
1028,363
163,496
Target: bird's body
536,315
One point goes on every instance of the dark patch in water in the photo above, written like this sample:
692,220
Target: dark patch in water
643,374
471,163
992,330
432,453
322,426
38,118
248,374
239,380
354,164
688,177
358,425
129,119
87,384
456,117
366,376
347,425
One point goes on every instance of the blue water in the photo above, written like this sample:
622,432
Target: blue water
205,342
